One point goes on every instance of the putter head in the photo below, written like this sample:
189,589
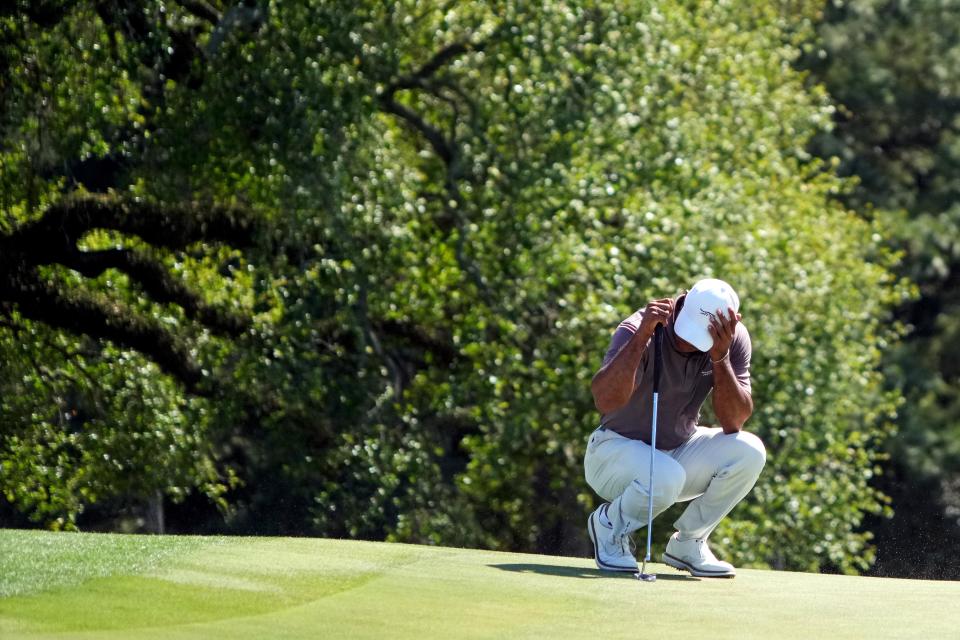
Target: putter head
643,576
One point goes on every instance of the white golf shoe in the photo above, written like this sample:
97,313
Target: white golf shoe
612,553
695,556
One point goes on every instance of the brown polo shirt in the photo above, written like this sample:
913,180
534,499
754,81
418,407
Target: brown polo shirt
685,381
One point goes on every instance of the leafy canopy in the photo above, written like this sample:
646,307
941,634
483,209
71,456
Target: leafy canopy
468,198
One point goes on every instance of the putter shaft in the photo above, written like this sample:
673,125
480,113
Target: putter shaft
657,360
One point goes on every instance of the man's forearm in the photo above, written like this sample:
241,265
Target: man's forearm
731,402
613,385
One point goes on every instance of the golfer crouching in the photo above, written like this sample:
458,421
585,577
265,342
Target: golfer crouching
704,348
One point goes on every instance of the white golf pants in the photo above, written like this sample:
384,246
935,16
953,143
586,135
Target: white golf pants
713,469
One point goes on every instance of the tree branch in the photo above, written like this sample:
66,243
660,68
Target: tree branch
172,226
445,147
420,79
53,240
440,144
43,13
431,66
415,335
437,61
83,313
201,9
158,283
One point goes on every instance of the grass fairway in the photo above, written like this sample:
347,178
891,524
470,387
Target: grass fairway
113,586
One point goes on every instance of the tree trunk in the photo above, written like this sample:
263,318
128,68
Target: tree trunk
154,520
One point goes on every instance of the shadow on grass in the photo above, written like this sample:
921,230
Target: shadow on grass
578,572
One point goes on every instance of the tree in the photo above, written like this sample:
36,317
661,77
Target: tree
467,198
54,239
77,107
668,167
890,66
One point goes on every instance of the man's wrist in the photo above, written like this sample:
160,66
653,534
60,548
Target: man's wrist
725,357
638,342
646,333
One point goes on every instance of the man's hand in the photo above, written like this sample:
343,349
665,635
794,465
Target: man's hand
656,312
616,380
732,404
722,328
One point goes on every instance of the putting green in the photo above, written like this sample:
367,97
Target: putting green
113,586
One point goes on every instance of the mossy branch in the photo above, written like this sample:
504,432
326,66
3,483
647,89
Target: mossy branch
53,239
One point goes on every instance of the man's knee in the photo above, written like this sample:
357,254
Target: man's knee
752,453
668,480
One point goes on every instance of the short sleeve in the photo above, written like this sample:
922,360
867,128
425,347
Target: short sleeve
741,351
622,335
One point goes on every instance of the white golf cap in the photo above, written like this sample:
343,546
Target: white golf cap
700,305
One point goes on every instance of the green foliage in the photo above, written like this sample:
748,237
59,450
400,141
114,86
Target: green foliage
468,199
674,168
892,66
85,423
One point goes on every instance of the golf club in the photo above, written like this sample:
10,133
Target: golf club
657,359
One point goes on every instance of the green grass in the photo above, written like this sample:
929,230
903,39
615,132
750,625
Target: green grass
114,586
